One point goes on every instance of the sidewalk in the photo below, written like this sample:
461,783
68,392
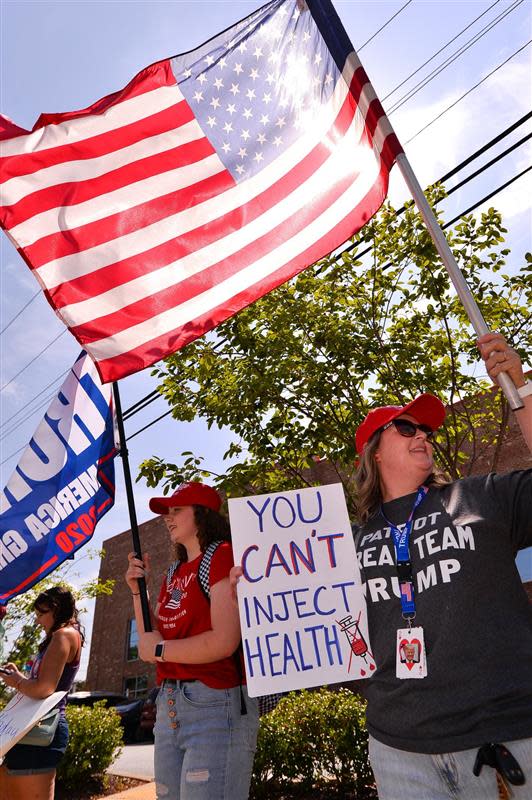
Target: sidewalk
135,761
144,792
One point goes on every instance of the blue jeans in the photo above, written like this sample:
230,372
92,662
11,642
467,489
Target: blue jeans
401,775
204,746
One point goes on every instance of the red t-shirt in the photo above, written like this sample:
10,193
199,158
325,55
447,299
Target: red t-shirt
185,611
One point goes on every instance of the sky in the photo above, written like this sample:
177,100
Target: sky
61,56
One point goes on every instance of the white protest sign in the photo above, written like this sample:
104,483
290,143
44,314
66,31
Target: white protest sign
302,606
20,715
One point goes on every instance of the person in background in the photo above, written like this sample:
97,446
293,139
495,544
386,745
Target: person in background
28,771
206,725
450,622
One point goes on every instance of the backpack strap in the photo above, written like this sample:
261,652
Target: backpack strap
170,572
204,569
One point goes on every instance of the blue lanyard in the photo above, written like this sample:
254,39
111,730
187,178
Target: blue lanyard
401,540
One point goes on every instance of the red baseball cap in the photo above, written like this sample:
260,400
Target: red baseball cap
188,494
426,409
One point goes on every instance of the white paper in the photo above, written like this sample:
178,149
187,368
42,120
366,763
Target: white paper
21,714
302,607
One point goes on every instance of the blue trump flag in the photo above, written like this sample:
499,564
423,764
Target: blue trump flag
62,485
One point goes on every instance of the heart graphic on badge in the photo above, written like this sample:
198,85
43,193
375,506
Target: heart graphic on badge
410,652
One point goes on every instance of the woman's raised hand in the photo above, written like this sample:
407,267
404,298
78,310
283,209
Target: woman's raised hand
500,357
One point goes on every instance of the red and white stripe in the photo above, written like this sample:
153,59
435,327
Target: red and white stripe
141,238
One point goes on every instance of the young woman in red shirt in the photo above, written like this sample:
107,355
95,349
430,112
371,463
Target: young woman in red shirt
206,727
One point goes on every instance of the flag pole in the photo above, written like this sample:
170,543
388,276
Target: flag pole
460,284
146,617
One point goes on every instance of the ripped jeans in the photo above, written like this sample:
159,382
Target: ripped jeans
204,746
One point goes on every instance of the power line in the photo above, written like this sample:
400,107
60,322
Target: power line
493,71
158,419
149,399
496,139
17,315
490,164
13,454
393,91
134,408
32,399
33,359
452,58
458,168
140,405
362,46
487,197
462,213
37,408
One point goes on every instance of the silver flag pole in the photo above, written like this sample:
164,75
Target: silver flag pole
460,284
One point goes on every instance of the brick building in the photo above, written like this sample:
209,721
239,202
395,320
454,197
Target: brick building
114,664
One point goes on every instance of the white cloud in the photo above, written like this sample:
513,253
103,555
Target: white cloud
513,82
516,199
463,129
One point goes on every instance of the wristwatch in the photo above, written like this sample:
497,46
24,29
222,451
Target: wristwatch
525,390
159,651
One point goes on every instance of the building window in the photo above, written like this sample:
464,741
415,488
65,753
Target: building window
132,641
136,687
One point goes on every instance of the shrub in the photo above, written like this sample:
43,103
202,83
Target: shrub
95,741
314,741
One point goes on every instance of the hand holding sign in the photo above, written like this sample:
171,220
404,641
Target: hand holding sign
234,576
302,607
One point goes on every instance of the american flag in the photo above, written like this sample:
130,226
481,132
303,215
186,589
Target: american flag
213,177
176,595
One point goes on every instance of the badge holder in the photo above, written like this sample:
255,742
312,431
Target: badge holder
410,654
411,661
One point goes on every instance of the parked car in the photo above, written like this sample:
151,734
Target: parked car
127,709
90,698
129,713
136,715
148,713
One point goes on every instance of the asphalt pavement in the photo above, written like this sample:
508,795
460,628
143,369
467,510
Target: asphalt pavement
135,761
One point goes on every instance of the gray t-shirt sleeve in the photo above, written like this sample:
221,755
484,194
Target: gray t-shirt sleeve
511,498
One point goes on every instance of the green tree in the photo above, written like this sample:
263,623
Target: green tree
293,374
19,623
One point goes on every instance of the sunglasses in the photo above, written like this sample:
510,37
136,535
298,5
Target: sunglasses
409,429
